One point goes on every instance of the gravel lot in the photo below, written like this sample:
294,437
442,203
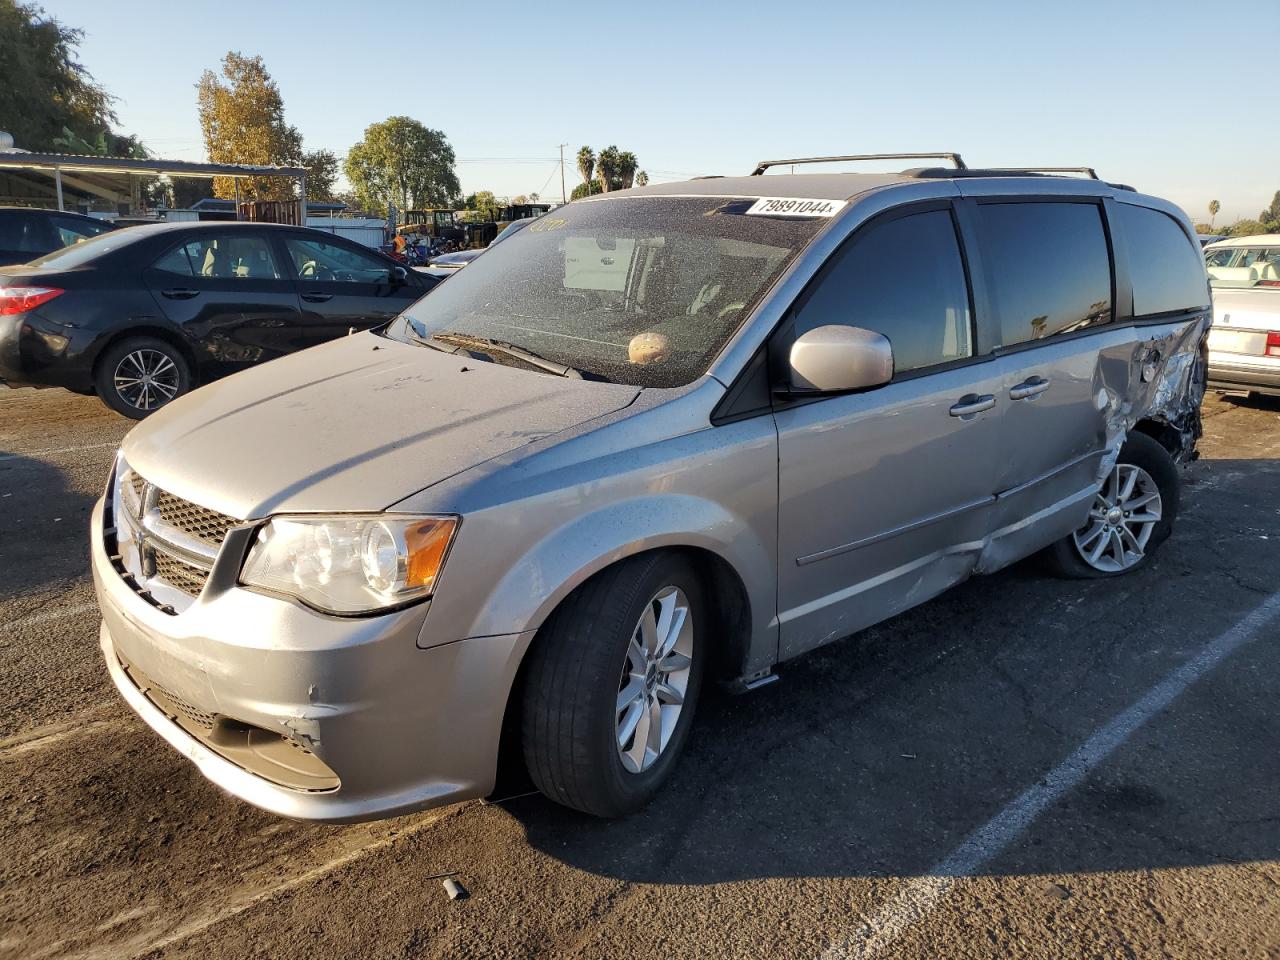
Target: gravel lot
997,773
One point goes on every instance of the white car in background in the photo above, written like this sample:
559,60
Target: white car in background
1244,343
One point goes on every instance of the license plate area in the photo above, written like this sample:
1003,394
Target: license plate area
1251,342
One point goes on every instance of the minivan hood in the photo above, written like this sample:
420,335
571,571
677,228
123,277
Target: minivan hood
357,424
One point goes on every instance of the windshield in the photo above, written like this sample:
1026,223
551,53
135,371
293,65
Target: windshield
637,290
1243,266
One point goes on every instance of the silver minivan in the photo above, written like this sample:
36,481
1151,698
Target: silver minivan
662,437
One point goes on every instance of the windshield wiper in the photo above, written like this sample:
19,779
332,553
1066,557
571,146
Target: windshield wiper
472,345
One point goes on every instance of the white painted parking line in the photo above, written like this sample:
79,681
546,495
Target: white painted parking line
49,453
920,896
48,616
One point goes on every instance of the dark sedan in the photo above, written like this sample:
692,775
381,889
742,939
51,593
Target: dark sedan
27,233
143,315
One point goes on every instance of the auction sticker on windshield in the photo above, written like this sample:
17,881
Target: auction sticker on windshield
794,207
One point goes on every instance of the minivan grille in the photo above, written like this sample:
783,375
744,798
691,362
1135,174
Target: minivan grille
165,545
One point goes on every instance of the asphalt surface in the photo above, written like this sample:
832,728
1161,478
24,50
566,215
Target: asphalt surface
1024,767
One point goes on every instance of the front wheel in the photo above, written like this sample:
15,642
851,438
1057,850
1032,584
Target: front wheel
1131,515
139,375
612,684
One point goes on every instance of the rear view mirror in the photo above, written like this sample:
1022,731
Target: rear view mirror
399,275
836,358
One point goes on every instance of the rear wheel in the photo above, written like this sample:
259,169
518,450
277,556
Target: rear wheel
139,375
612,685
1131,515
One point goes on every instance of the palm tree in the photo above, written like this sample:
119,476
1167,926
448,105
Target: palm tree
642,179
586,164
609,167
1214,207
627,164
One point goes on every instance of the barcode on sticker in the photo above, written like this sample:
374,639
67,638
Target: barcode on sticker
795,207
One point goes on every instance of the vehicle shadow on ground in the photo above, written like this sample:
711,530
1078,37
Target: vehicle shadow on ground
1259,401
44,527
878,755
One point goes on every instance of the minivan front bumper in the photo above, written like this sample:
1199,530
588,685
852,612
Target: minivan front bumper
400,728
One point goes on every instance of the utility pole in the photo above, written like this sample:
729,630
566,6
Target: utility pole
563,197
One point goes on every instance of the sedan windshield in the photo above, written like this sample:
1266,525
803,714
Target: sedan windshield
637,290
1236,266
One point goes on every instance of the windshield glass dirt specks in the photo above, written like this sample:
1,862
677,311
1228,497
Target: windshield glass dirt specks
637,290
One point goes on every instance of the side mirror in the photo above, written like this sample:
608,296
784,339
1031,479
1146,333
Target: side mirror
836,358
399,275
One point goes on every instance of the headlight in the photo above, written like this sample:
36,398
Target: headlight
350,564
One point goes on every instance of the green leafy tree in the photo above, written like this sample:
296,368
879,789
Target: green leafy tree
642,179
322,175
1246,228
46,94
242,119
586,190
1270,217
1214,207
586,164
483,204
402,162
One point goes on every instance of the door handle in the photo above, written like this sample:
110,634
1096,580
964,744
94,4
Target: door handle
972,404
180,293
314,297
1029,388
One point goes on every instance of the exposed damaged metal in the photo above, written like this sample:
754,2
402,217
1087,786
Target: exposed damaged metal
1166,381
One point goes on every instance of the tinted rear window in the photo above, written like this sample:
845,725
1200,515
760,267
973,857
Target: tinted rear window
81,253
1166,268
1048,267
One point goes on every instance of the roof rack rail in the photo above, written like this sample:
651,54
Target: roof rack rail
1088,171
947,173
764,165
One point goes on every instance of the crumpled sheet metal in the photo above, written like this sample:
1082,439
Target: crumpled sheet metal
1165,382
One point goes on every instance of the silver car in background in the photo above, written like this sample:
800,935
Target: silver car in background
1244,344
660,437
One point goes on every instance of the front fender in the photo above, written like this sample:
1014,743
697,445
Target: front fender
537,581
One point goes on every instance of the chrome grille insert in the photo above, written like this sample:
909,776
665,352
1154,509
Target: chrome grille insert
185,576
207,526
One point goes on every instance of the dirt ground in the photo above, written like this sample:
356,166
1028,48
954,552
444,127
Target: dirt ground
833,814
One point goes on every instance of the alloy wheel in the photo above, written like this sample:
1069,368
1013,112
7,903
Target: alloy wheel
1123,517
146,379
655,679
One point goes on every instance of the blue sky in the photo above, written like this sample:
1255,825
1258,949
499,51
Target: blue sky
695,88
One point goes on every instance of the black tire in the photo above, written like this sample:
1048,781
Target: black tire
570,709
136,404
1139,450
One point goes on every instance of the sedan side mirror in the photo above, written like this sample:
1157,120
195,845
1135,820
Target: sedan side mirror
837,358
